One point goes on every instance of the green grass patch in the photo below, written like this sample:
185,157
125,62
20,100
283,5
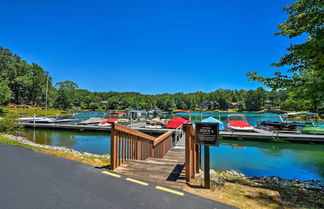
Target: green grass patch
40,112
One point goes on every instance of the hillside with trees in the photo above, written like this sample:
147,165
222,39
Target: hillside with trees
24,83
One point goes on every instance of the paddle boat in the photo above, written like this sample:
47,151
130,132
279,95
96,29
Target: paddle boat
213,120
238,122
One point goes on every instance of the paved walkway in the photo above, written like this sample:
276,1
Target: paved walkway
35,180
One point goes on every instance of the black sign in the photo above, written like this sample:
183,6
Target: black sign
207,133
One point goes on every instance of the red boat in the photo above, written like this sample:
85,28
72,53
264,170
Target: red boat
106,122
177,122
238,122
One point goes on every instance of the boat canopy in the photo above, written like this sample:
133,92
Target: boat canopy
236,117
214,120
117,113
301,113
137,111
181,111
176,122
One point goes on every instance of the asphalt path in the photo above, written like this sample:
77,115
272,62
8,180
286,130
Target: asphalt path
32,180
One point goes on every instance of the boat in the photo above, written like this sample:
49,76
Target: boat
177,122
314,130
92,121
214,120
36,119
43,120
238,122
282,124
301,119
67,120
153,126
277,125
107,122
28,119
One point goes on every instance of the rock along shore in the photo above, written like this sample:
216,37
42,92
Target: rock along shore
219,177
58,148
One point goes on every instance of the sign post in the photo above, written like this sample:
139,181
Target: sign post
207,134
206,167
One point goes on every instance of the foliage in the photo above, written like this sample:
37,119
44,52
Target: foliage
9,123
93,106
28,84
65,94
305,77
5,92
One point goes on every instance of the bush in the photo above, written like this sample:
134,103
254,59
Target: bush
9,123
93,106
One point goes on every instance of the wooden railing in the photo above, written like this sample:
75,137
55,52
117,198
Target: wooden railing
127,143
192,153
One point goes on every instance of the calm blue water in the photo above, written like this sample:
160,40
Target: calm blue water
254,158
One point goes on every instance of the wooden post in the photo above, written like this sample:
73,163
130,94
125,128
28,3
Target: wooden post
198,149
188,162
113,148
206,167
138,149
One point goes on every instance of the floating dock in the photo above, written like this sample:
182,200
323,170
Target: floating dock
257,134
90,127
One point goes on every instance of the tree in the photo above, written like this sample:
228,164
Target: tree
5,92
305,75
65,94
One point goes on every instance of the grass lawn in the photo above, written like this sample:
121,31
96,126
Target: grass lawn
40,112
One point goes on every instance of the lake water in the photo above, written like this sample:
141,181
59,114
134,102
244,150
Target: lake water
254,158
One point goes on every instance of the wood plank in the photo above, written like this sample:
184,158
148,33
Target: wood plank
162,137
133,132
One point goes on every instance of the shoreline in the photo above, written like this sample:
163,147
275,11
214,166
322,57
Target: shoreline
230,187
269,179
83,157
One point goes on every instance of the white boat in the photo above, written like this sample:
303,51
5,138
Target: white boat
36,119
27,119
67,120
153,127
238,122
43,120
92,121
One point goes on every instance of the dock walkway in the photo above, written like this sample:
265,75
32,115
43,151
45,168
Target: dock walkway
168,170
258,134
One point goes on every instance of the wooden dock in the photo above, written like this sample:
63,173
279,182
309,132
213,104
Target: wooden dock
90,127
261,134
256,135
168,170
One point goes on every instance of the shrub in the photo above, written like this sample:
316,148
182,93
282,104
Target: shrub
9,123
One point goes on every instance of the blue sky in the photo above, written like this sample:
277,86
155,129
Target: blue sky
147,46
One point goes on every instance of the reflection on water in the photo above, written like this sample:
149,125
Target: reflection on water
287,160
253,158
93,142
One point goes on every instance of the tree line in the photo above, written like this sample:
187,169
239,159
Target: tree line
23,83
